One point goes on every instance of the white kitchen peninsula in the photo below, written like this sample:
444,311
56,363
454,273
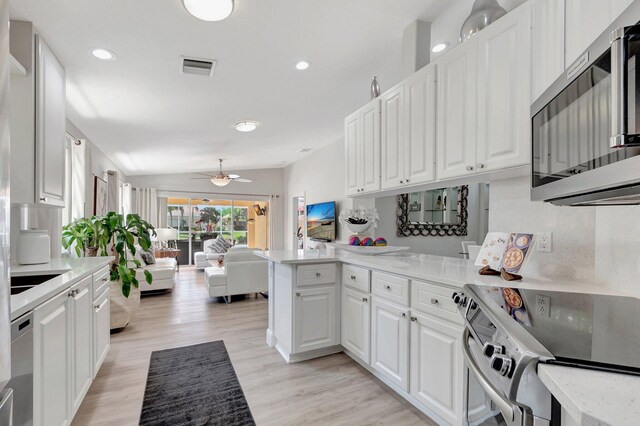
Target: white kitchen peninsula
393,314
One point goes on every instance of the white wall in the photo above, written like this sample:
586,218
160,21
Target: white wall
321,177
442,246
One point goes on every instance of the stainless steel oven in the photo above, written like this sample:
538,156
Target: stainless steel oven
586,126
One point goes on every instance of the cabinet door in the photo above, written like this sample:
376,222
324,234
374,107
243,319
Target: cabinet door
457,110
547,44
50,127
101,330
585,21
51,368
352,152
420,126
390,342
437,366
369,163
504,92
356,322
82,341
315,319
392,140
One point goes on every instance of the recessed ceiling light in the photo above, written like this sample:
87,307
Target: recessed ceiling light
440,47
209,10
103,54
246,126
302,65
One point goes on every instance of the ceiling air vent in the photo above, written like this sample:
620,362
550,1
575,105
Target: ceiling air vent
197,66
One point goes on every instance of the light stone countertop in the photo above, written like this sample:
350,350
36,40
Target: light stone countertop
594,397
70,270
591,397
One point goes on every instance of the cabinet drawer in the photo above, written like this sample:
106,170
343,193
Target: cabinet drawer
100,280
357,278
316,274
434,299
391,287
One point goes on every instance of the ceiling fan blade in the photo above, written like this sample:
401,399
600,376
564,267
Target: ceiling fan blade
242,180
234,176
202,174
208,178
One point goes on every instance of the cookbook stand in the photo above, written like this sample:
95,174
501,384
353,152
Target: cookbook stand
507,276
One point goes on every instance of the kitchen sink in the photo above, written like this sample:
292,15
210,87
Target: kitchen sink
24,283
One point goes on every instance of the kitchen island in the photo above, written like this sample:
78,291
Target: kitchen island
393,314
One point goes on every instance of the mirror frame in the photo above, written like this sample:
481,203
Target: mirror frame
405,228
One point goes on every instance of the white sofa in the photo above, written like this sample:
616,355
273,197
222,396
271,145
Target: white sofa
204,259
163,272
243,272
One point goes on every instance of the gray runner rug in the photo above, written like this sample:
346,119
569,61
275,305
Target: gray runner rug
194,385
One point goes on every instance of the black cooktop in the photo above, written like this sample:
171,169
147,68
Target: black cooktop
581,330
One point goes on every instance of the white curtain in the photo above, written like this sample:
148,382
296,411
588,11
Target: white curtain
113,198
275,233
78,179
126,199
144,202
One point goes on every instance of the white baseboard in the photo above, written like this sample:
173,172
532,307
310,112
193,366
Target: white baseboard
305,356
271,338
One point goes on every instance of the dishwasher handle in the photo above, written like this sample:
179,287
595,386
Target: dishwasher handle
21,326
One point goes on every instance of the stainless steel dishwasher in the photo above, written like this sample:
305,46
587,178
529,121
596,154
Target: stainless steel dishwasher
22,369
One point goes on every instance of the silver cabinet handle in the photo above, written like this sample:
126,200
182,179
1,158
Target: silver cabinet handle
298,294
469,168
43,199
318,274
406,181
104,280
387,287
353,277
480,166
364,299
414,319
404,315
401,181
434,301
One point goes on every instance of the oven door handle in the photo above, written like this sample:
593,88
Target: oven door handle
500,401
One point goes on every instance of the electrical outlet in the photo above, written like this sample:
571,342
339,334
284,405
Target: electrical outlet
544,242
543,305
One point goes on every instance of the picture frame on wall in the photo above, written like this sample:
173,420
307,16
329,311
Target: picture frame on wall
100,192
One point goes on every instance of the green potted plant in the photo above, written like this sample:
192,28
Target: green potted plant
114,235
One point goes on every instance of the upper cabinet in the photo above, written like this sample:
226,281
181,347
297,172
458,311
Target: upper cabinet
547,44
37,121
408,131
362,146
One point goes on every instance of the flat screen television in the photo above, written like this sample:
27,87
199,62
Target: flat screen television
321,221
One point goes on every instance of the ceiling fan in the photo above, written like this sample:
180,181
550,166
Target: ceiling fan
223,179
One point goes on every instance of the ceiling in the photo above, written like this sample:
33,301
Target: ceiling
151,119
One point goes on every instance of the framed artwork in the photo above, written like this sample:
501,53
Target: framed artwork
100,206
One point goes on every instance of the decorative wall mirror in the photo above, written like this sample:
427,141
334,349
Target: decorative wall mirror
437,212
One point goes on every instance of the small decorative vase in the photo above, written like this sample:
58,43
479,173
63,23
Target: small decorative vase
375,88
483,13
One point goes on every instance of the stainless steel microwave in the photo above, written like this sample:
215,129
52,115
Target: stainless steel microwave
586,126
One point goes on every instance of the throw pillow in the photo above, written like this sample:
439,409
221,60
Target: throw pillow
148,257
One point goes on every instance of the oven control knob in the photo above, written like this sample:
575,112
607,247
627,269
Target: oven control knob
459,299
502,364
490,349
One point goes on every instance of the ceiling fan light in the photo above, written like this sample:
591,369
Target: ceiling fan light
219,181
246,126
209,10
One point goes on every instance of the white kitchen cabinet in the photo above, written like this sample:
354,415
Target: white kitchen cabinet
437,366
101,330
392,137
390,342
408,131
51,369
314,319
547,44
362,149
504,96
38,121
356,322
457,111
81,309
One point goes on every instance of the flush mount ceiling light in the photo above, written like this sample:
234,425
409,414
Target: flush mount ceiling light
209,10
103,54
439,47
246,126
302,65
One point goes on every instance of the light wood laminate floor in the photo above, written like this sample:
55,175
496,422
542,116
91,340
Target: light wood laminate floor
332,390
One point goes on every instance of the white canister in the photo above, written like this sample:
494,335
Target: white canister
34,247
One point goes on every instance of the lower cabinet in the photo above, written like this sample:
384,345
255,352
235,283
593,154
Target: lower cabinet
51,356
390,341
437,366
356,323
81,341
101,330
314,319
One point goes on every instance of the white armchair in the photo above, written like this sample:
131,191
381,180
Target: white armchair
243,272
